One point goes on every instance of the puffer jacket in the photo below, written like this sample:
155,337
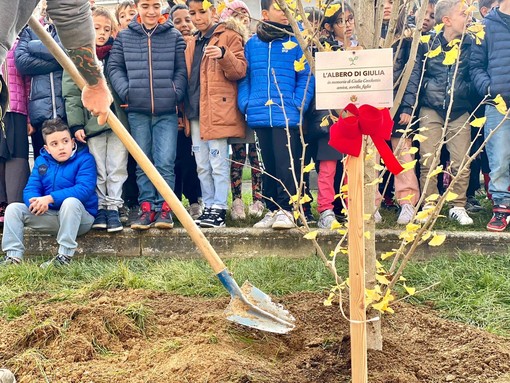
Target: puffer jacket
75,177
258,87
490,61
437,86
148,71
219,115
19,86
33,59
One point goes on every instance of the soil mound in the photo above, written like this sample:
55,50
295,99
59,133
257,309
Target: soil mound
145,336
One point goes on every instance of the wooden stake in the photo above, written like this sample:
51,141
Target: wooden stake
356,248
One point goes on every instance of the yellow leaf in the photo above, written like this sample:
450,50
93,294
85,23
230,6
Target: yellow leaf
409,165
324,122
478,122
410,290
375,182
220,7
342,232
366,217
402,278
311,235
470,9
438,27
309,167
382,279
206,4
276,6
451,56
480,36
332,9
437,240
327,46
344,188
367,235
426,235
419,137
454,42
451,196
412,227
329,300
432,197
408,197
500,104
423,214
435,52
378,167
406,236
476,27
336,225
298,65
387,254
306,198
269,102
435,172
296,215
425,39
293,199
390,310
412,150
289,44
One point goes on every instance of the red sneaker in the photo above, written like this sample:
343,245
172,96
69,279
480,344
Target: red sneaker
145,218
500,218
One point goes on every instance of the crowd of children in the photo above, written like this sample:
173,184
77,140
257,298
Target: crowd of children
200,94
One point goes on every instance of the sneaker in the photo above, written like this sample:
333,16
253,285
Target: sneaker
267,221
124,214
389,204
164,218
237,211
145,218
134,211
310,219
460,215
3,206
114,223
256,209
473,206
59,261
101,221
216,218
195,210
7,261
377,216
326,219
205,214
406,214
500,218
283,220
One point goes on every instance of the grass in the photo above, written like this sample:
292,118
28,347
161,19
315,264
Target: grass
472,289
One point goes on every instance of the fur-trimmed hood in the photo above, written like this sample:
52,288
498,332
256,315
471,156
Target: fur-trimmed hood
235,25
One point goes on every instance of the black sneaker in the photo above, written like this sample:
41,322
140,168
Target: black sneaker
473,206
124,214
164,218
500,218
310,219
216,218
114,223
101,221
59,261
145,218
205,214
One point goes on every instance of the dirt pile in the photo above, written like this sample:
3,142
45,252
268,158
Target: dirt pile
143,336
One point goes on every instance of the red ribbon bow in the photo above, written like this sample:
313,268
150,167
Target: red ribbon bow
345,135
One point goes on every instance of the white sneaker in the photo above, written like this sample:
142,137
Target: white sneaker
195,210
460,215
237,211
326,219
283,220
377,216
256,209
267,221
406,214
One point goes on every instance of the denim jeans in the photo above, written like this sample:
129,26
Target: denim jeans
111,161
67,223
213,168
157,137
498,153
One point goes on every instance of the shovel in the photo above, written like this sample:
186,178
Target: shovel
248,306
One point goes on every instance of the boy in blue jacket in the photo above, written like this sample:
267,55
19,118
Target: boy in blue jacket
259,99
148,71
59,197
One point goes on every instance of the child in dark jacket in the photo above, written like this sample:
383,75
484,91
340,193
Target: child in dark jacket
109,152
148,71
59,198
259,99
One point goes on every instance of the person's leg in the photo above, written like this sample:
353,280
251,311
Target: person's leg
17,169
3,184
204,171
191,186
14,228
97,147
218,157
269,185
236,169
283,160
179,164
116,170
130,186
256,175
406,183
325,183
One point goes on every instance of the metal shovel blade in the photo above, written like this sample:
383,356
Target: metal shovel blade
251,307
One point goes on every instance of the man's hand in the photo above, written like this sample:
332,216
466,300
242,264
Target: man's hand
404,119
79,135
39,205
97,99
213,52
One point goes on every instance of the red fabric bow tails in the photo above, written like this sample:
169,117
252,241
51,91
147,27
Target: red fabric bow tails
345,135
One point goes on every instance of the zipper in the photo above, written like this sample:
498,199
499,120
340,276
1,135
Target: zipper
55,176
269,84
149,40
52,84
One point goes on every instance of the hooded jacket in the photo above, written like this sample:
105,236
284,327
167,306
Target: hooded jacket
75,177
147,69
490,61
219,115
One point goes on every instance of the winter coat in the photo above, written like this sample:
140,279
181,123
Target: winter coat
75,177
490,61
258,89
219,115
35,60
19,86
148,71
438,79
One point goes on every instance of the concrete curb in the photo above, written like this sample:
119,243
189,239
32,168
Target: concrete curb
249,242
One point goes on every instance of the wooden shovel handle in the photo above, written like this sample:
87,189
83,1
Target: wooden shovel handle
157,180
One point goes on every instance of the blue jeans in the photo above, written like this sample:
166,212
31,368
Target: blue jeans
213,168
498,153
67,223
157,137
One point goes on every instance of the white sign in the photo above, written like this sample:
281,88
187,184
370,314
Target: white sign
359,77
